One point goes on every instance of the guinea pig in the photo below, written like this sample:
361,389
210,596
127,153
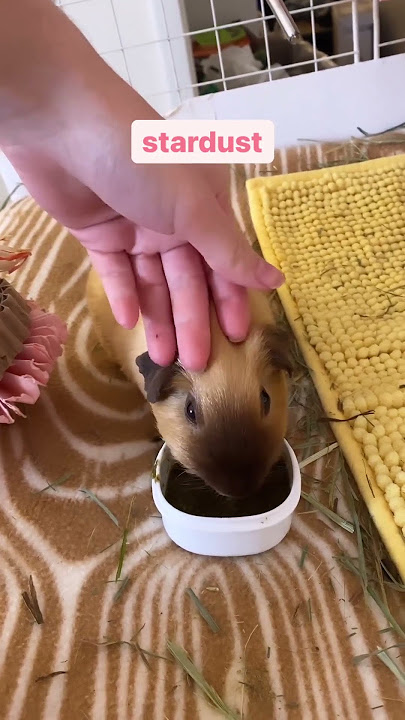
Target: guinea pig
225,425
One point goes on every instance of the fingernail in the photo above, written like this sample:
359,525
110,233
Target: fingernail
193,362
237,338
270,276
125,314
280,281
162,353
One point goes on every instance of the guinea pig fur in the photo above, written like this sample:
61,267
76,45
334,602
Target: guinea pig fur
225,425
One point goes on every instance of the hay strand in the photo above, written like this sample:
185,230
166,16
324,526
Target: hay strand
188,666
101,505
31,601
345,524
41,678
205,614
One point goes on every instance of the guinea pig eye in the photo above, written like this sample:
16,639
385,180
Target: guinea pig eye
190,411
265,401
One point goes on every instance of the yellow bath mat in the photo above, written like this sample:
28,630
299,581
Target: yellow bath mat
338,234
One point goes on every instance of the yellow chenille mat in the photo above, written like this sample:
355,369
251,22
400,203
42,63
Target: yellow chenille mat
338,234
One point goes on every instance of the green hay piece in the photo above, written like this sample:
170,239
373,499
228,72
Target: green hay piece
359,658
31,601
51,675
124,543
350,565
121,589
121,558
52,486
309,610
389,662
392,665
133,645
205,614
101,505
188,666
303,557
345,524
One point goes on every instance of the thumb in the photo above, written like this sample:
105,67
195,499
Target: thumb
217,237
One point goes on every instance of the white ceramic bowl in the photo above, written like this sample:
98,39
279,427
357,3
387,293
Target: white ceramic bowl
225,537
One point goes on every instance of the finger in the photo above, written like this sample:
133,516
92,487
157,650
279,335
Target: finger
149,242
155,306
217,236
232,307
113,234
187,284
118,280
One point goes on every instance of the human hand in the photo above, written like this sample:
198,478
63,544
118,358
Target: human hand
165,275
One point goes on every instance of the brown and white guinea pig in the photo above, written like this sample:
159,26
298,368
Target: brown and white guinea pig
225,425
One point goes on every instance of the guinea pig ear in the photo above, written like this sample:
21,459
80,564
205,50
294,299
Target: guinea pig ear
277,348
157,379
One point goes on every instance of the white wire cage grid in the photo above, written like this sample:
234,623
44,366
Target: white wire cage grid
319,61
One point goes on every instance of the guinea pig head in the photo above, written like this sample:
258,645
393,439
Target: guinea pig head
227,424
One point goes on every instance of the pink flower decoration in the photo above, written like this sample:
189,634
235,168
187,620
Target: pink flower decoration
33,366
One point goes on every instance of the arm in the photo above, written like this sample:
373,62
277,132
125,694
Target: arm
45,64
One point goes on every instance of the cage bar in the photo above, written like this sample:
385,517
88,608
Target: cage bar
215,28
392,42
376,29
302,63
237,23
356,33
266,39
313,31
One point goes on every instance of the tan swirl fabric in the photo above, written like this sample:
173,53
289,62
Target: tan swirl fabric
288,634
